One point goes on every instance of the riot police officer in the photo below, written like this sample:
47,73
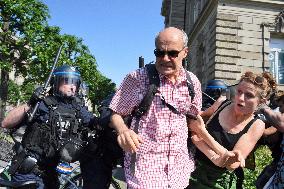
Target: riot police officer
214,89
57,132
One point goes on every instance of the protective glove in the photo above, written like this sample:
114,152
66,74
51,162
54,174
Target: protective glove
37,96
259,112
260,108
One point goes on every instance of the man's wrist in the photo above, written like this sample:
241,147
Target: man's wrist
27,108
121,129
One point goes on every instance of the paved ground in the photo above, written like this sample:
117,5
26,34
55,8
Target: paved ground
117,173
119,176
6,155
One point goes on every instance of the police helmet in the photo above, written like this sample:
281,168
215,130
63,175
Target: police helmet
67,75
215,88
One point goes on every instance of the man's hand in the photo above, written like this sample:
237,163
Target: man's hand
221,160
260,108
196,125
37,95
129,141
236,161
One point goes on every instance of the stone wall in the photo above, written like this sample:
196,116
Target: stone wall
232,40
177,13
202,50
240,39
227,37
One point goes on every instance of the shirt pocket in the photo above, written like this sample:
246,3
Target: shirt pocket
148,146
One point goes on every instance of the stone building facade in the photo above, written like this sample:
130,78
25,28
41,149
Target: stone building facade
229,37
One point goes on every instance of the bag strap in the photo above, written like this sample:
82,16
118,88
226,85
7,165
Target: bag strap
154,83
190,86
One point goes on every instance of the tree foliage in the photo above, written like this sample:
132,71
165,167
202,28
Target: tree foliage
20,22
28,45
262,159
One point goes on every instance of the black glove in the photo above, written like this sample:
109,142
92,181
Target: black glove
259,112
260,108
37,96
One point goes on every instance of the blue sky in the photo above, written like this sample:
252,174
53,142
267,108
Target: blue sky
117,32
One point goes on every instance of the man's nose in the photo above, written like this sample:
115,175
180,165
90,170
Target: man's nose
166,58
72,86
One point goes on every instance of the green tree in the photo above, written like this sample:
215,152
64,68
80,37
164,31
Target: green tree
29,45
20,22
74,53
262,159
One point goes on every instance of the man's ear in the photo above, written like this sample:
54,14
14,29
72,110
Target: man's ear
185,52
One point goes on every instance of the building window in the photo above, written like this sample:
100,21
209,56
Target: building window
276,59
196,10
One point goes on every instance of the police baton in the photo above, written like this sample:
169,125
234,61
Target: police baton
31,115
204,93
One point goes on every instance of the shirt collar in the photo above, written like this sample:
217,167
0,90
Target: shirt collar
180,79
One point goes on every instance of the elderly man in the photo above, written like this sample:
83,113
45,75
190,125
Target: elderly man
157,156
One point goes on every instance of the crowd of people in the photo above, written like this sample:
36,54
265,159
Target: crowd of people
174,139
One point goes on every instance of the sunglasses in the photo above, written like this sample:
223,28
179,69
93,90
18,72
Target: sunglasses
172,54
259,80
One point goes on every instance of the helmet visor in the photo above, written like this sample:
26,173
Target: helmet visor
67,84
67,80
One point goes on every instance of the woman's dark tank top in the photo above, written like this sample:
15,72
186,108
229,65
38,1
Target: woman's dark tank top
215,129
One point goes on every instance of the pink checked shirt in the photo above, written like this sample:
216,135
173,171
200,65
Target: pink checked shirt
162,160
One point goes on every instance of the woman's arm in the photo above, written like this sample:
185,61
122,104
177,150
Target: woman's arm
198,127
217,159
269,131
248,141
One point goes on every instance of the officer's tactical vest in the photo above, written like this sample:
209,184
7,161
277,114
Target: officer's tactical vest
62,136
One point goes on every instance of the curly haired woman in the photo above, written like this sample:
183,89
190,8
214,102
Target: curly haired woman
235,127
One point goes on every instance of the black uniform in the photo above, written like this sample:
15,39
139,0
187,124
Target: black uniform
57,121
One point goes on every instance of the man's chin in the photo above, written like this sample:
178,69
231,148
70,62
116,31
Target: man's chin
167,72
69,94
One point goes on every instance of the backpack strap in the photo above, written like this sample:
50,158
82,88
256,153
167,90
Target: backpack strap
144,106
154,83
190,86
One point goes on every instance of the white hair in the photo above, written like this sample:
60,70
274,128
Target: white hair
184,36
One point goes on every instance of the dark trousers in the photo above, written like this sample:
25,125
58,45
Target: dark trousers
240,177
96,173
49,181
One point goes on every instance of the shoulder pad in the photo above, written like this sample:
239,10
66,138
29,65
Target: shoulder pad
50,101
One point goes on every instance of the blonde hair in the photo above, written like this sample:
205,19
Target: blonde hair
264,81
